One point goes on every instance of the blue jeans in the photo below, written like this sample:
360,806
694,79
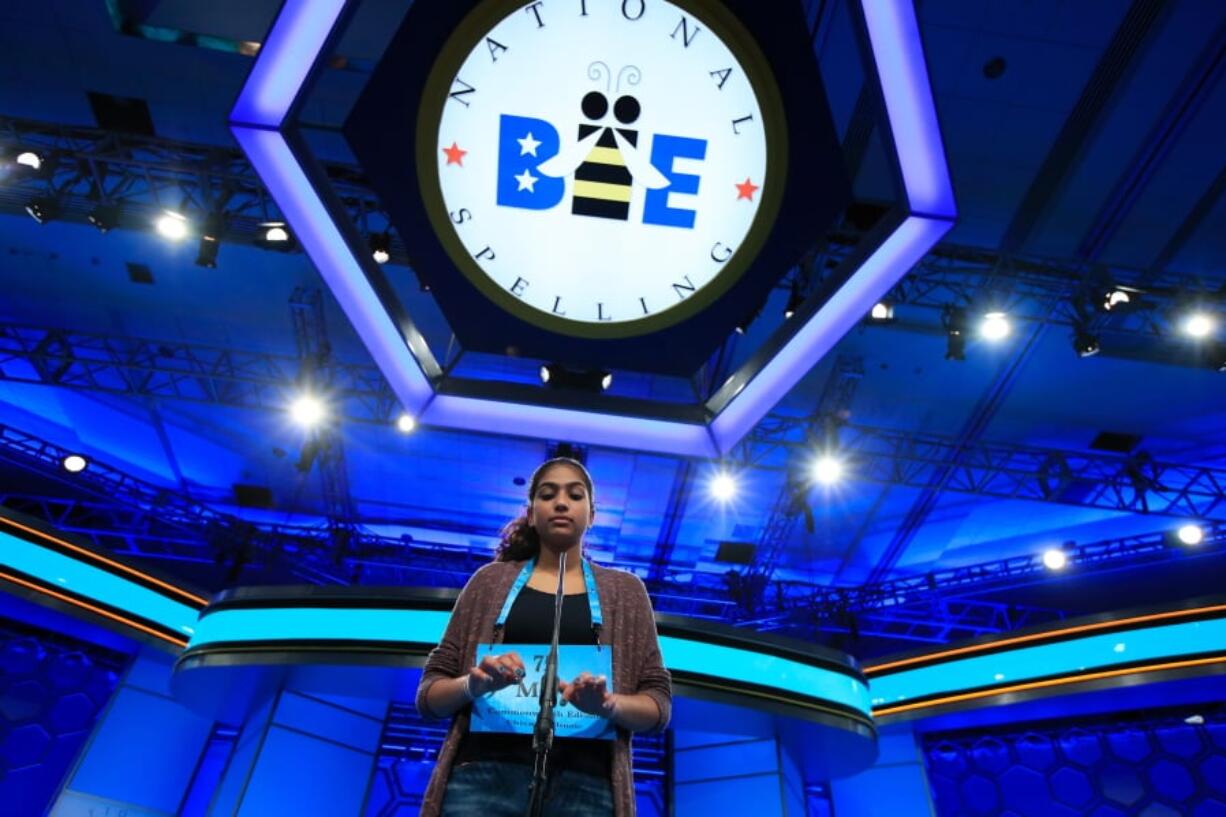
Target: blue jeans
490,788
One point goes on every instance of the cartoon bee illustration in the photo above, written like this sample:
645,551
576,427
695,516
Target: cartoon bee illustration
605,159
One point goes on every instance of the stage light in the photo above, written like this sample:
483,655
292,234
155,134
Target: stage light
795,299
1085,344
43,209
210,241
274,235
105,217
1191,534
827,470
995,326
172,225
74,463
881,312
307,411
743,326
723,486
206,255
953,318
557,376
1055,559
214,224
1199,325
1114,298
274,232
30,159
381,247
405,423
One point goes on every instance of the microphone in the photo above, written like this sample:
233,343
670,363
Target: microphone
542,733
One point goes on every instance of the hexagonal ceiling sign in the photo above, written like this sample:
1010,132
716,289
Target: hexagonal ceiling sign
263,121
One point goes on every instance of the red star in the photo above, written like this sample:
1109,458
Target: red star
745,190
455,156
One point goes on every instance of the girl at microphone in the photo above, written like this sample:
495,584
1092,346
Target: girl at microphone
512,601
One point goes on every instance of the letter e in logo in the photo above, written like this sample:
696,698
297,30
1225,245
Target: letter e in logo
664,151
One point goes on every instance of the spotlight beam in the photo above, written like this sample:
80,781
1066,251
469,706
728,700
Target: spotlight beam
723,486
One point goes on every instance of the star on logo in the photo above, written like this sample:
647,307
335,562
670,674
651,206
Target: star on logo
455,156
528,145
745,190
526,181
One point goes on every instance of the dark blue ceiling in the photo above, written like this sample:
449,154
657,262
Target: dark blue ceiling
1096,152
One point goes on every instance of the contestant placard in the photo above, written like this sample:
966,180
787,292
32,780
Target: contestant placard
513,709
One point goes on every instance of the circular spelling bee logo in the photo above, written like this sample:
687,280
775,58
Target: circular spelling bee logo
601,168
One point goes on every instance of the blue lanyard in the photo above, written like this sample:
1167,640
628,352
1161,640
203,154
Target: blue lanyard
589,580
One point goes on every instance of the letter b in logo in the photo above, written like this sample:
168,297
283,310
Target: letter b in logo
523,144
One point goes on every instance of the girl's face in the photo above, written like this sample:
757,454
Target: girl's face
561,509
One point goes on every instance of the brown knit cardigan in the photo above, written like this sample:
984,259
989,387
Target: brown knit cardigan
629,626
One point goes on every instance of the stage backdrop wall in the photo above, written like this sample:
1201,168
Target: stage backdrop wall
52,688
1156,765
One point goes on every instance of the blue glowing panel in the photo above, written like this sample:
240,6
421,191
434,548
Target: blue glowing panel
899,57
286,57
1077,655
320,624
750,667
837,316
325,245
427,626
137,723
545,422
284,64
94,583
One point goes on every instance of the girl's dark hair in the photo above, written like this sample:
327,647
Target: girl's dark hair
519,539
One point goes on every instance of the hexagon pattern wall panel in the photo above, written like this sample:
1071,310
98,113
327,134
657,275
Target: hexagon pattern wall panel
51,691
1156,766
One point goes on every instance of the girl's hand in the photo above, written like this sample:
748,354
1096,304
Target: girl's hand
590,693
494,673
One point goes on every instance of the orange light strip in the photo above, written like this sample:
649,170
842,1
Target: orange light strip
1051,682
91,608
91,555
1047,634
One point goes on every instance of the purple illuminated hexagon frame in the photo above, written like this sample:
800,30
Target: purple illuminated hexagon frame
260,121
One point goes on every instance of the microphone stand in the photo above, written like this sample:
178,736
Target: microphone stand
542,733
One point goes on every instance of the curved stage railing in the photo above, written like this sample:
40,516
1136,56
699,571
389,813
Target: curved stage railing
1083,654
394,627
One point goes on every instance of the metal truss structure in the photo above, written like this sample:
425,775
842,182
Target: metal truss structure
173,370
119,180
821,430
941,606
136,518
324,445
123,180
1059,292
937,620
1136,483
146,367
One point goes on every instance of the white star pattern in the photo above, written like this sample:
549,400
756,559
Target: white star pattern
528,145
526,181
